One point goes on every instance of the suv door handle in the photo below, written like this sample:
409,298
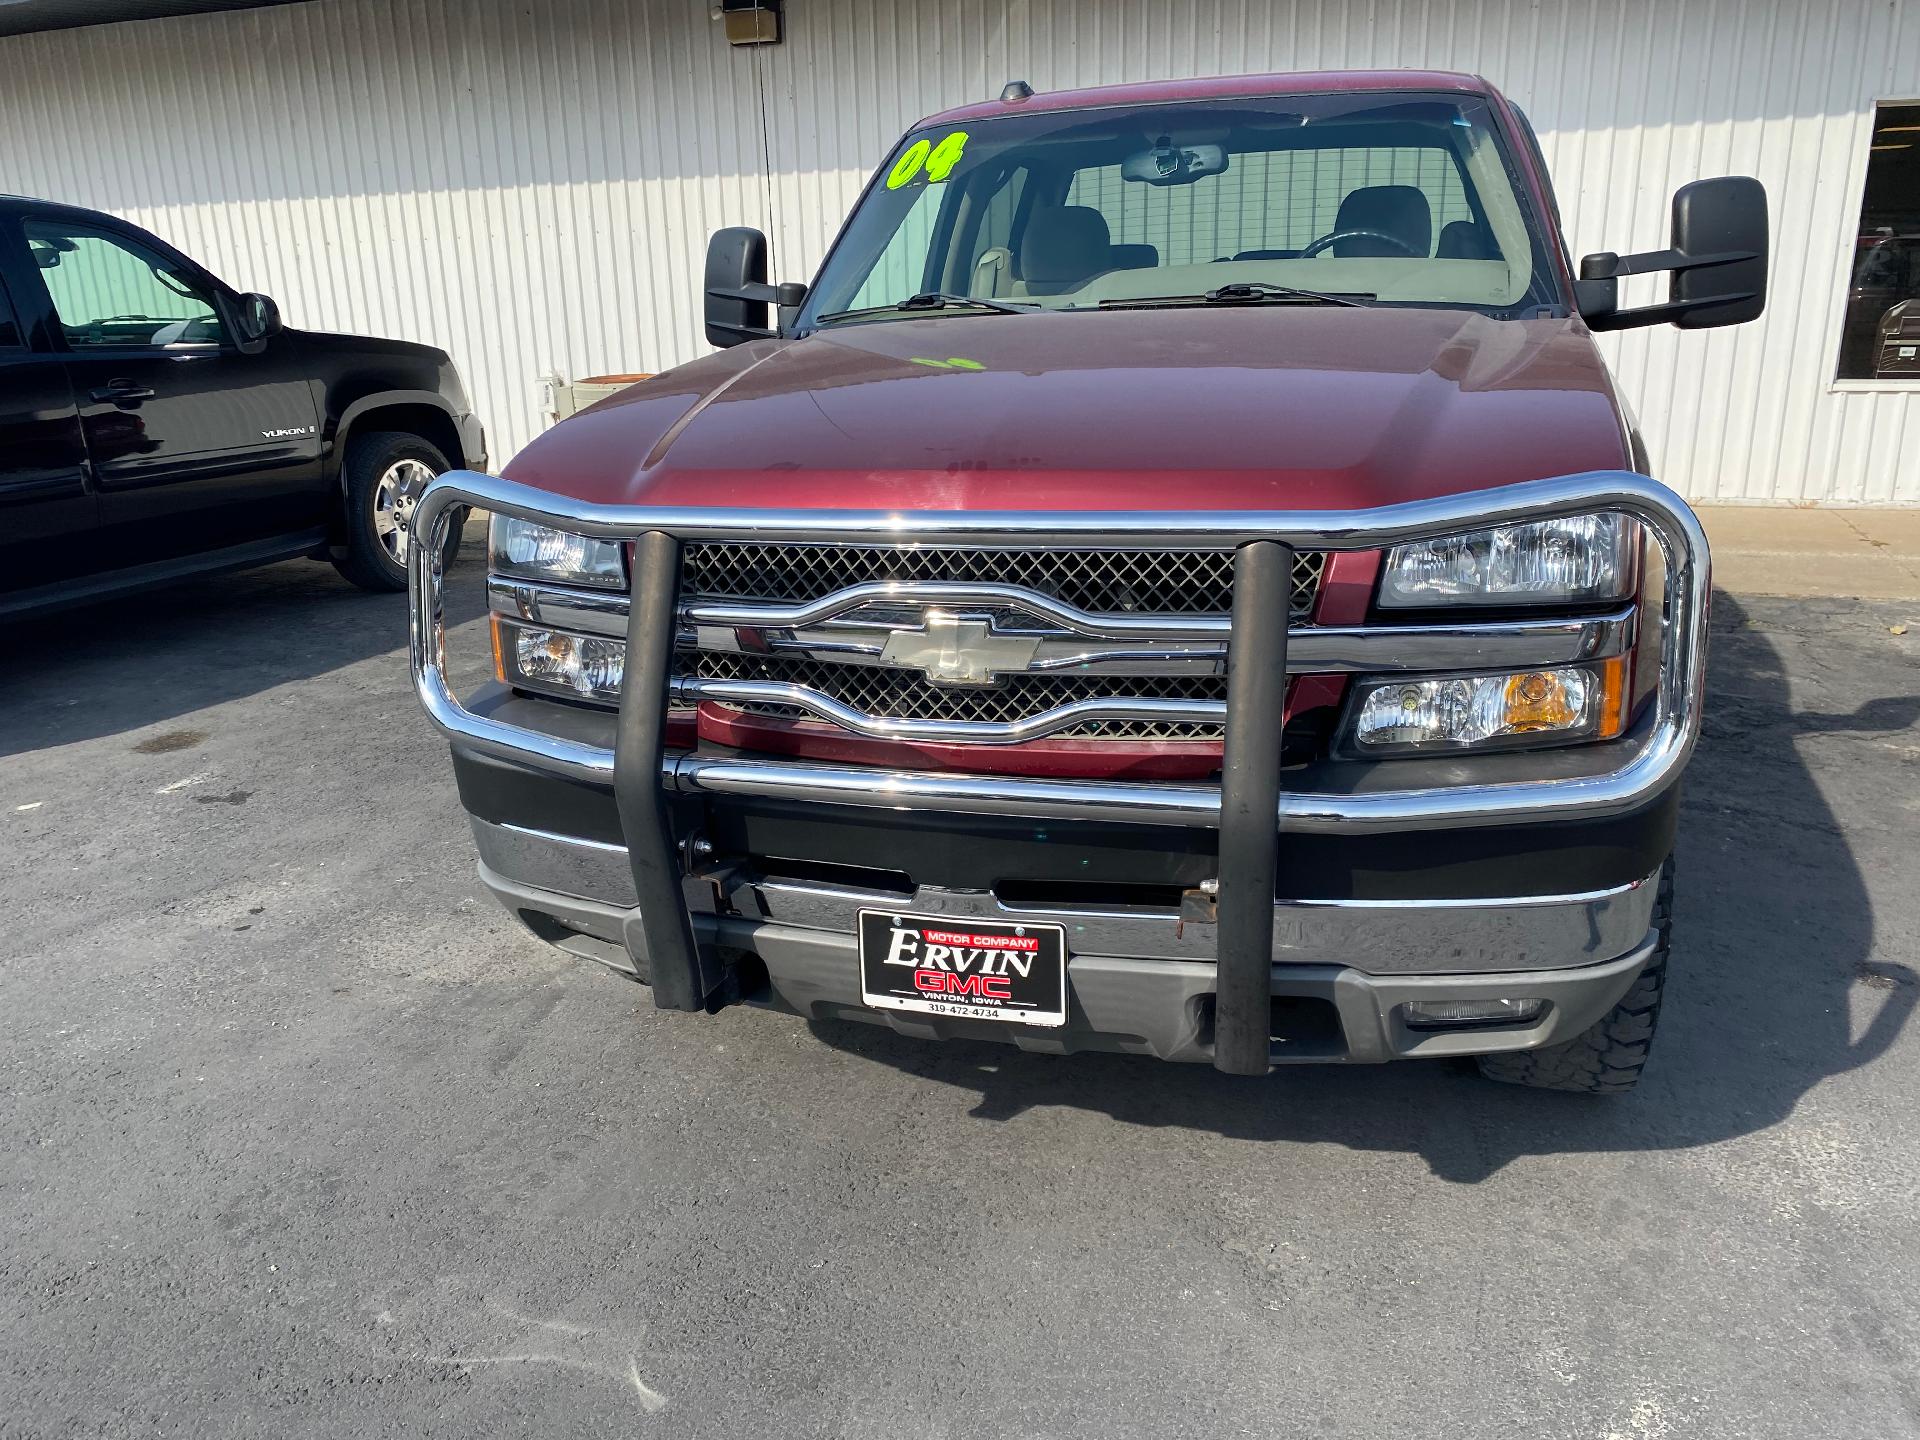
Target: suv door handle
120,391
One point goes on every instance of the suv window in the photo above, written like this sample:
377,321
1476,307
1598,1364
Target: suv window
108,291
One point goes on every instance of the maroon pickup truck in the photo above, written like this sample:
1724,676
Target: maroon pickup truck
1179,581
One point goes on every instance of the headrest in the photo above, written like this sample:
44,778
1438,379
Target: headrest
1065,246
1399,210
1134,257
1463,240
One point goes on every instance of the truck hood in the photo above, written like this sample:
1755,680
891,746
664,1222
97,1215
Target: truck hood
1256,407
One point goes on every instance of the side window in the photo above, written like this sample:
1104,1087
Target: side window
1265,201
111,292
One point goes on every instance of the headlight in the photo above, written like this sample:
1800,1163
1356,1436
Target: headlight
1490,712
583,667
1580,558
538,552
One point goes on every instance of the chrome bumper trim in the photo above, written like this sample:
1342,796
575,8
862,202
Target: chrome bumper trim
1648,768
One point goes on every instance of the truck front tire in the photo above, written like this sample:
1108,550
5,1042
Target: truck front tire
385,471
1608,1056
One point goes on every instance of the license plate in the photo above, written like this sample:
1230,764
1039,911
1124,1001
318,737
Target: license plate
964,967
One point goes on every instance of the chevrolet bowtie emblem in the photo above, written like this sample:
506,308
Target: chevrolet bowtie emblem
959,649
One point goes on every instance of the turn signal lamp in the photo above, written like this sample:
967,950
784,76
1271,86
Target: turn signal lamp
1505,711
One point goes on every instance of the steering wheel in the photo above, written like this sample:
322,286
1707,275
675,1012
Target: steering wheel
1315,247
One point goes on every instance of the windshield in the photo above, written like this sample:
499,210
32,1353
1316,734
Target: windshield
1387,198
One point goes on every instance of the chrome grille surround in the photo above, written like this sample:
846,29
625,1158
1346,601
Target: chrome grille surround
891,693
1161,582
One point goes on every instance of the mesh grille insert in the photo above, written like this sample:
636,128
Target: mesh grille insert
1167,582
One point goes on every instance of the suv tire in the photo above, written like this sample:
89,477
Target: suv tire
1608,1056
385,472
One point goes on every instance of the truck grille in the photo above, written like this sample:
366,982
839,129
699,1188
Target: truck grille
908,695
1098,581
1149,582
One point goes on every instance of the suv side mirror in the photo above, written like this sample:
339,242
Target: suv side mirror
1718,259
736,290
258,320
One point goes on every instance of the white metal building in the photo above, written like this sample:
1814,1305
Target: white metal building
530,183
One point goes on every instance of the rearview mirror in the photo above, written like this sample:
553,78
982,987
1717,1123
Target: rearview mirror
736,290
258,320
1165,163
47,250
1718,259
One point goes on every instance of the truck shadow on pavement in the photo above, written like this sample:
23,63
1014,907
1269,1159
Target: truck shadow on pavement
1775,985
145,659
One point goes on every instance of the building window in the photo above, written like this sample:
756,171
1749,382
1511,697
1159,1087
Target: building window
1880,339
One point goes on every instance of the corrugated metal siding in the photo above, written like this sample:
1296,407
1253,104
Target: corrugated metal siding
532,186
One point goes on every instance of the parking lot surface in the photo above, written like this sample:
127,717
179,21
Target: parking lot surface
303,1136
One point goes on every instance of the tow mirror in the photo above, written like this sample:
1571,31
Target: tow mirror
1718,259
736,291
258,320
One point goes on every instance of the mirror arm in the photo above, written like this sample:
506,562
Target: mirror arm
1657,314
1596,294
787,293
1606,265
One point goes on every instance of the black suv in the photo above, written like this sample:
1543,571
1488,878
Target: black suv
156,424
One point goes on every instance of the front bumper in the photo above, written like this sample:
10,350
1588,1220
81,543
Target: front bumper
1221,1006
1140,980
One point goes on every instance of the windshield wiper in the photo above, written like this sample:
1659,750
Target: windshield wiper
1250,292
932,300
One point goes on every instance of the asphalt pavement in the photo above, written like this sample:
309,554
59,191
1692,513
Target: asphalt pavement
302,1136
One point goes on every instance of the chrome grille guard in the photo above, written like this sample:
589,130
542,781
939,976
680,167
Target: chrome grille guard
1248,806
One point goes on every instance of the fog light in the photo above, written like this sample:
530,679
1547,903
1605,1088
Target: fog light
1470,1014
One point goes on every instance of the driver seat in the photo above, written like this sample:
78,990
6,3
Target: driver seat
1399,210
1064,248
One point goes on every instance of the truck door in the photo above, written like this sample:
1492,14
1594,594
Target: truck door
195,446
46,511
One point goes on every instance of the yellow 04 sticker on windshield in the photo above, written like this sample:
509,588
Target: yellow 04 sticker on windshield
924,160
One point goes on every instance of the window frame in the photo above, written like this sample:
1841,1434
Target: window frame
139,245
1857,193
